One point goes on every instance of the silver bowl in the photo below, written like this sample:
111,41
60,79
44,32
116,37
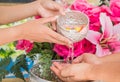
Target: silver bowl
72,19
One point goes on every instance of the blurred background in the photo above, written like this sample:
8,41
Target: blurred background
15,1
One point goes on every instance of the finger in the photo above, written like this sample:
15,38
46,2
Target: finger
57,73
48,19
54,25
65,64
63,40
61,9
53,40
55,70
78,59
57,6
57,65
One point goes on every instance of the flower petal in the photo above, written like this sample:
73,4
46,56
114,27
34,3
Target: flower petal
115,46
107,26
116,31
93,36
99,50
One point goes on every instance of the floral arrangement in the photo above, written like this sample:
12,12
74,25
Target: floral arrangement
103,35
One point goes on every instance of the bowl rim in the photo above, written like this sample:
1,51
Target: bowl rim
32,75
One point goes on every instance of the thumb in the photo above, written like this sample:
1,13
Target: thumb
48,19
78,59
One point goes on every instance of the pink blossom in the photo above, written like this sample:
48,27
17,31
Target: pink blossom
106,9
95,26
81,47
102,39
115,8
107,41
37,17
91,11
81,5
24,45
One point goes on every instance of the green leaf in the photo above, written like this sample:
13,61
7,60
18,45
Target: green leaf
20,63
5,62
17,72
3,73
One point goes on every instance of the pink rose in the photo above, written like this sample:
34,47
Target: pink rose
81,47
106,9
88,47
81,5
24,45
93,15
91,11
95,26
115,8
37,17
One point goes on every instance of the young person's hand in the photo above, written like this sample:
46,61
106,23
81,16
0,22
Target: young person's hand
47,8
44,8
38,31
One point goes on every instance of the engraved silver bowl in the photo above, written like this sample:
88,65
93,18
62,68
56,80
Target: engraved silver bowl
73,18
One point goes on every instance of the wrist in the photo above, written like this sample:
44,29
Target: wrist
37,6
23,31
33,7
95,72
15,33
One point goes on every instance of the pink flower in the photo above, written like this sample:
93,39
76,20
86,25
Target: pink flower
24,45
102,39
81,5
115,8
37,17
91,11
107,41
106,9
95,26
81,47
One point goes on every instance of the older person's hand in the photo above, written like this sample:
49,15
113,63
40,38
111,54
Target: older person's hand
88,58
72,72
78,70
